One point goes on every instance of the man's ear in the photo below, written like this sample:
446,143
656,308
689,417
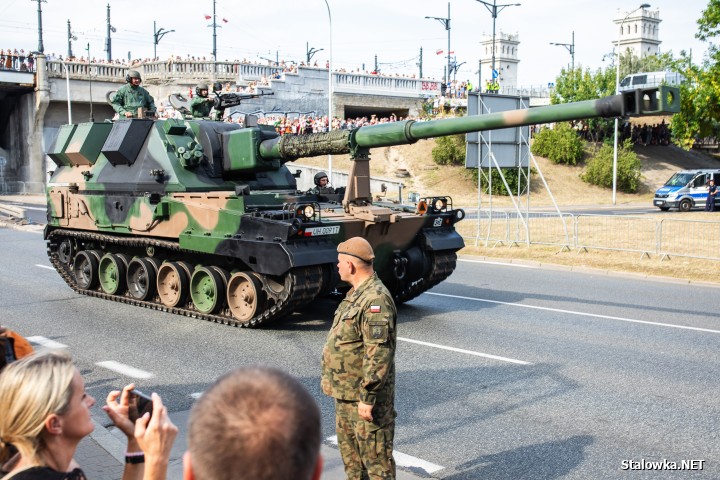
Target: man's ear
53,424
187,467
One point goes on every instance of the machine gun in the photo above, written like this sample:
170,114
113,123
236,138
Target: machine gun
227,100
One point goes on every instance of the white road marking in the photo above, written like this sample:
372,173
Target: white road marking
196,395
404,460
123,369
504,264
46,342
574,312
469,352
44,266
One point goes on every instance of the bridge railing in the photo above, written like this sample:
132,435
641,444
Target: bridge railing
184,71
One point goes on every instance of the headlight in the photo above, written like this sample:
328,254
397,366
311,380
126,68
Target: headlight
306,212
440,204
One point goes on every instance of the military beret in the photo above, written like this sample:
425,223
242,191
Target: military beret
357,247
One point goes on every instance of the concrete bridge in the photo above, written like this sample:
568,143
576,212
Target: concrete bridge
35,104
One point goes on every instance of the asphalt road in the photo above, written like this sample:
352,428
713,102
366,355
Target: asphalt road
504,371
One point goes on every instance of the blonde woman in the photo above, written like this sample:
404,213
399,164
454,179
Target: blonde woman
46,413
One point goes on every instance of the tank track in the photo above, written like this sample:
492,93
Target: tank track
304,285
443,264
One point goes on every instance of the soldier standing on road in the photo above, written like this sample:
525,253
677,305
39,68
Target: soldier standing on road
201,104
358,366
132,96
712,193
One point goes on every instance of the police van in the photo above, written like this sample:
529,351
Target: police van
685,189
650,80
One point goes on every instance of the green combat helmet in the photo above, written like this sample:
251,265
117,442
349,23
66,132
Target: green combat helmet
132,74
200,87
204,219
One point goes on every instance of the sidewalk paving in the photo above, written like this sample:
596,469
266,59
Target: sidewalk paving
101,455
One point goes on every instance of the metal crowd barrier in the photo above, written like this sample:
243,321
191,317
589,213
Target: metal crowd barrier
647,236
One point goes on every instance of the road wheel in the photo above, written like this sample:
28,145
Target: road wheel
173,283
207,289
685,205
245,296
66,251
111,273
85,268
142,278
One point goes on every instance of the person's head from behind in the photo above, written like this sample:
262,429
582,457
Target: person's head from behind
257,422
44,406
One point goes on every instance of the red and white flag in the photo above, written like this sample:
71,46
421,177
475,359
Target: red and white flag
225,20
439,52
207,17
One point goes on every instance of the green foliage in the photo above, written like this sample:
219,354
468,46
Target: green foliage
599,168
709,23
560,144
449,150
512,176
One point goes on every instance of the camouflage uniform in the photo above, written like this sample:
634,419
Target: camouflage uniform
358,364
129,98
322,190
200,107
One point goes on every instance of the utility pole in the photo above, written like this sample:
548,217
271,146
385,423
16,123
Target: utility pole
41,47
376,65
420,63
71,37
108,41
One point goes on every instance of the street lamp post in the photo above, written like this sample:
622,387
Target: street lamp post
446,24
570,48
71,37
67,85
310,52
157,35
41,47
330,87
494,9
617,92
108,40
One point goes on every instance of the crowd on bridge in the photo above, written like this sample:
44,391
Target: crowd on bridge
12,59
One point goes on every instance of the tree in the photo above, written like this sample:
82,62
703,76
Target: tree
700,94
560,144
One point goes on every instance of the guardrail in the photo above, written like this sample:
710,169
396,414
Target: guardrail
664,237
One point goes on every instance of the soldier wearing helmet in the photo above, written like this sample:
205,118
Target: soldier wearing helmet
201,104
322,184
131,97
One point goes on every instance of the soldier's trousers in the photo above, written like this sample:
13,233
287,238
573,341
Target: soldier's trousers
366,446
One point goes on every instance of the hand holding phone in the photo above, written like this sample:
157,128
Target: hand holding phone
142,402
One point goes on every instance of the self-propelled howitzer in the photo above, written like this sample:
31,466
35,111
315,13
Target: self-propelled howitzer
203,218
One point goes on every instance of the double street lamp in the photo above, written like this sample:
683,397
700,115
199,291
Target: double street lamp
570,47
157,35
617,92
494,9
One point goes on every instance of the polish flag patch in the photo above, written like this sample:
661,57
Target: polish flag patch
375,309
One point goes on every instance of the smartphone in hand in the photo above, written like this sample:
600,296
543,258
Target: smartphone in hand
141,402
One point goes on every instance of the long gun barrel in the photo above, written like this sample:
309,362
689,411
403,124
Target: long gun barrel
654,101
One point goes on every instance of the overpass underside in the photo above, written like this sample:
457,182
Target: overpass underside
347,105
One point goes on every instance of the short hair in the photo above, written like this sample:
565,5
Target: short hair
257,422
31,389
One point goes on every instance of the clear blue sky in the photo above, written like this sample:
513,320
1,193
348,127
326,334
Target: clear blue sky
394,30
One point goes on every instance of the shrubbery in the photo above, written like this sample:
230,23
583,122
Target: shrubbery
498,187
599,168
449,150
560,144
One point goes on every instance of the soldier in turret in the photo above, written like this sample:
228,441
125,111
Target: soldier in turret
201,104
322,184
131,97
358,366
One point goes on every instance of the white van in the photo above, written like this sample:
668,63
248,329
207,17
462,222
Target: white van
650,80
685,189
